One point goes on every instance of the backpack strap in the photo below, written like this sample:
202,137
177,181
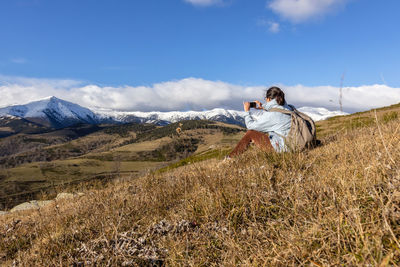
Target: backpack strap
284,111
289,112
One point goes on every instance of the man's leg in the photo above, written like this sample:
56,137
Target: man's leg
260,139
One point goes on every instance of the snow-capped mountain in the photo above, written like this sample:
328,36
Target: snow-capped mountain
319,114
52,112
163,118
218,114
58,113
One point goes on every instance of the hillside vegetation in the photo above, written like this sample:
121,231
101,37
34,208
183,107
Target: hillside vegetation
47,162
339,124
337,204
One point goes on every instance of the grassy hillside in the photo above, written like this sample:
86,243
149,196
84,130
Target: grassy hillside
52,160
13,125
340,124
337,204
64,143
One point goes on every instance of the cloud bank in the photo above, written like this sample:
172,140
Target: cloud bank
302,10
190,94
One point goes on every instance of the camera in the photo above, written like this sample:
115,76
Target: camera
253,104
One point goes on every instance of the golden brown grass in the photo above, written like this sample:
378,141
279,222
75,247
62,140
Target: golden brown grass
341,124
337,204
112,155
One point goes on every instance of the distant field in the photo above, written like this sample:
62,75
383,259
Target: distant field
30,179
72,169
114,152
143,146
6,129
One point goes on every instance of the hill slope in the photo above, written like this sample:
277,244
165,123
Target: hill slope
334,205
46,162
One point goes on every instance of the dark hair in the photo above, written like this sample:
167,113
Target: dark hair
277,94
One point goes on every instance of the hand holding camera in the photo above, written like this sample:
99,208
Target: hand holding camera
254,104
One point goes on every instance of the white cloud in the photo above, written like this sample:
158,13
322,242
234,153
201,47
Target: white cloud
354,98
274,27
301,10
19,90
190,94
204,2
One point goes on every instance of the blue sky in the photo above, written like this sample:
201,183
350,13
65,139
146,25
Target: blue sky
132,43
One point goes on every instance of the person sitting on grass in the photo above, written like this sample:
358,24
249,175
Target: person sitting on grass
268,130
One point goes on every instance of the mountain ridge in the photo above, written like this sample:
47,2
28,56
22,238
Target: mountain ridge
57,113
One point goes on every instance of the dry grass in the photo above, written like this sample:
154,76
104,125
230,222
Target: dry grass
335,205
357,120
108,156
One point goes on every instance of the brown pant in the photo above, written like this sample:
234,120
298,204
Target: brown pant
258,138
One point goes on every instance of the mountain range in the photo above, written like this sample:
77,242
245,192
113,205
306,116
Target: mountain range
57,113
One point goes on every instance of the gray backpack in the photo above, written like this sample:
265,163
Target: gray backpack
302,132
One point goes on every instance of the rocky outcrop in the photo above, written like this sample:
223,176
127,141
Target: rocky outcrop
37,204
31,205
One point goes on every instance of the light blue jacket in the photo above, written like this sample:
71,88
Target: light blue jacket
276,124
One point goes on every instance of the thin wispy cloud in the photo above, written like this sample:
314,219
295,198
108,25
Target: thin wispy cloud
19,60
35,82
189,94
272,26
298,11
205,2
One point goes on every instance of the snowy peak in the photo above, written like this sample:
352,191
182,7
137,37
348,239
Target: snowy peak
58,113
318,114
52,111
218,114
